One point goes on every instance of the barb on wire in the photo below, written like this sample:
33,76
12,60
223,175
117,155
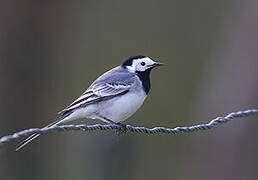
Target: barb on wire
155,130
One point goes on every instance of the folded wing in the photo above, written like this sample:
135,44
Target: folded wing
96,93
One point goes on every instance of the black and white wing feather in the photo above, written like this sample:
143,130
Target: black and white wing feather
113,83
96,94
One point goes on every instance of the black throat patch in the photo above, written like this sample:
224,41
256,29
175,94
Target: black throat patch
145,78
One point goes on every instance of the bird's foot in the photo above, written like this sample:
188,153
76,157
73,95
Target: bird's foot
122,130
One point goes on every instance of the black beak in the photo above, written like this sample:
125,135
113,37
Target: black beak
156,64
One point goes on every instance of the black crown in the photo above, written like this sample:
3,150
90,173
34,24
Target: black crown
129,61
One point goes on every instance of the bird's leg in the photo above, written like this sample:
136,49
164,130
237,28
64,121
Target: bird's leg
122,129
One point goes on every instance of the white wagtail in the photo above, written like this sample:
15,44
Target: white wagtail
113,97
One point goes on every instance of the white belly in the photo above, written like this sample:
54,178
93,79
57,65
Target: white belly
122,107
116,109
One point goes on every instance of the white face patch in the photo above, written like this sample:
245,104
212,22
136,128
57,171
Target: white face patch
141,64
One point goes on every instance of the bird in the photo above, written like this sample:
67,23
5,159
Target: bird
113,97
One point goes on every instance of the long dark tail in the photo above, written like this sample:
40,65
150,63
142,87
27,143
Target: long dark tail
34,136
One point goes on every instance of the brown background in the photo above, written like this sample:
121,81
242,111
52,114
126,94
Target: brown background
50,52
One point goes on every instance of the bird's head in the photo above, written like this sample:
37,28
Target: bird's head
140,64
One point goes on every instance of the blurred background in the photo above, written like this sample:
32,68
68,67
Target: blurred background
51,51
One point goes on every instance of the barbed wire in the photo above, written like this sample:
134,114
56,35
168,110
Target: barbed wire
155,130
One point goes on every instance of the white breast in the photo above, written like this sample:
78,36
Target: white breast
122,107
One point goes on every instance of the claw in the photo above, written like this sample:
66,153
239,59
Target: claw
122,129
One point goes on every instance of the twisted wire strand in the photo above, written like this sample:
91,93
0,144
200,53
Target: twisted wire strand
155,130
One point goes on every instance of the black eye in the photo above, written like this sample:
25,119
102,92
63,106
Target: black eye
143,63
